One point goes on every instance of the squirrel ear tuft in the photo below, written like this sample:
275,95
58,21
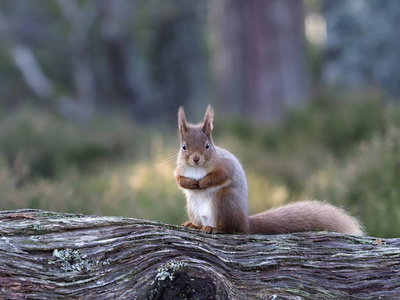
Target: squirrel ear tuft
182,122
208,121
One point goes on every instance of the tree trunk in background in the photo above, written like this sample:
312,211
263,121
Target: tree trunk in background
362,51
259,58
114,26
80,19
41,85
178,59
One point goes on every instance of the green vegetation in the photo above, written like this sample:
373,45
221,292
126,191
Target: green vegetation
368,181
346,152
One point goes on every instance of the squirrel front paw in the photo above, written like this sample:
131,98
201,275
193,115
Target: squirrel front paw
192,184
188,183
202,184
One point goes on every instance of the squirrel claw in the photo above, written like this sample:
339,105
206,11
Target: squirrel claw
208,229
186,224
205,229
190,225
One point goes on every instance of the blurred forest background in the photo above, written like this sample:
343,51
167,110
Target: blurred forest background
306,95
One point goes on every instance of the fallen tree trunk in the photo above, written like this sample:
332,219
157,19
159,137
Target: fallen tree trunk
46,255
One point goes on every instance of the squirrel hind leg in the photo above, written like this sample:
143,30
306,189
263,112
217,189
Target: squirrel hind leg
212,230
205,229
190,225
208,229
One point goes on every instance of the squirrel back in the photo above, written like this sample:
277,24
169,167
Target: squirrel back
215,186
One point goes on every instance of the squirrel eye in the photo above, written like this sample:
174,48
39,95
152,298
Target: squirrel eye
207,145
184,146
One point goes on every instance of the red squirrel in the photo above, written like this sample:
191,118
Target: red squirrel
215,186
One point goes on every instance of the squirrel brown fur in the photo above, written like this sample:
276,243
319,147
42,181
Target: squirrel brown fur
215,186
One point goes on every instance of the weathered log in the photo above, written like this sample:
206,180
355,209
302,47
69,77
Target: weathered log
47,255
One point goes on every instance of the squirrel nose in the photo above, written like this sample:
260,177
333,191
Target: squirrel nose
196,158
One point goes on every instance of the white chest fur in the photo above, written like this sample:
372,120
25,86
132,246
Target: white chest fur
200,205
195,173
199,201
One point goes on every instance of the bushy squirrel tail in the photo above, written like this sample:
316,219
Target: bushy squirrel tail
304,216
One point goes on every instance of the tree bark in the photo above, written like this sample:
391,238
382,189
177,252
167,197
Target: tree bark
47,255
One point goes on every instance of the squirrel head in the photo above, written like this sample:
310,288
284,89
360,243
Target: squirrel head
197,147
